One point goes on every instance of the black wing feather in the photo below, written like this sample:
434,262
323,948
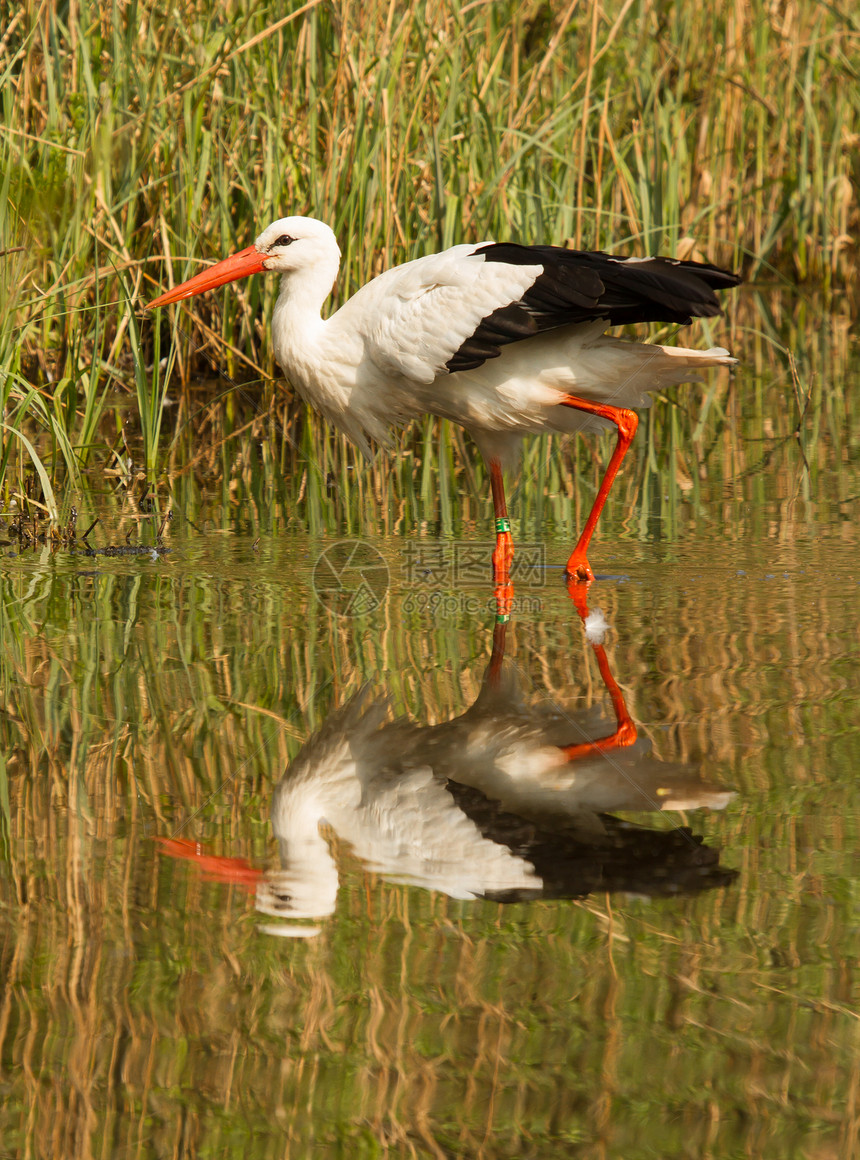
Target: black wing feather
583,286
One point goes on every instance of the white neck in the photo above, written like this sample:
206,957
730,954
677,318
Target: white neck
296,322
306,885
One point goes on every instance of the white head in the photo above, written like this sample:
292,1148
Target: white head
294,243
287,246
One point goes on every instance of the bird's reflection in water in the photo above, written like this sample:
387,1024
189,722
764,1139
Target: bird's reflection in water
510,801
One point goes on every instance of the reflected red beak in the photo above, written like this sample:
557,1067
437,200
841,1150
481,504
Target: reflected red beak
249,261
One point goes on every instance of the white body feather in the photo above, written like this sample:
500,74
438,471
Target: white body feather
381,785
381,359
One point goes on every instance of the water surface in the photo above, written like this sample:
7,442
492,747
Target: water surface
194,965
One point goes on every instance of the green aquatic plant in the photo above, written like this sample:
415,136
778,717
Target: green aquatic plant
136,141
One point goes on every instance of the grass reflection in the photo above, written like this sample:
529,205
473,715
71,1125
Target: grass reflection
142,1008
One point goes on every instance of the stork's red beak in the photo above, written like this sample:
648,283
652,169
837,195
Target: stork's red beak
249,261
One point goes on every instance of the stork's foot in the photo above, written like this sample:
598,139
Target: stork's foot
503,558
578,570
579,579
504,596
577,590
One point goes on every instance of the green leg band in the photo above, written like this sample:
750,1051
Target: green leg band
503,524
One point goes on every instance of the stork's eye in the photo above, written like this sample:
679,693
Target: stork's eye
283,240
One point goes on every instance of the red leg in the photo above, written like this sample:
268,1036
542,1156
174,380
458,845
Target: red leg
626,421
625,729
504,595
500,632
504,551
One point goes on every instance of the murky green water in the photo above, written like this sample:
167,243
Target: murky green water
482,963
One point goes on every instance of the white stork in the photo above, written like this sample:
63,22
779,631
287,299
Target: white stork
511,800
507,801
502,338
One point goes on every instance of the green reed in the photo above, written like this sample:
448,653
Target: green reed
139,138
